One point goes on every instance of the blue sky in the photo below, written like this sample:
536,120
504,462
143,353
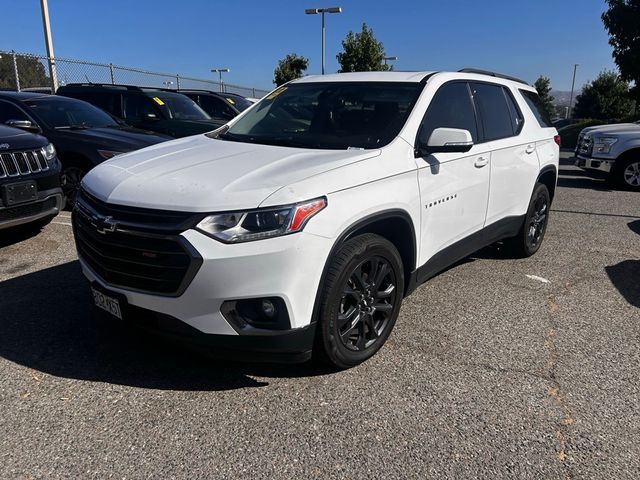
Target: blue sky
519,37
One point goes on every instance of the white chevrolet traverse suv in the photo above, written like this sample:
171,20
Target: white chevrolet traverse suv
299,226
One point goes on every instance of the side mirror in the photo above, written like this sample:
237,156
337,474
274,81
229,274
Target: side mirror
446,140
23,124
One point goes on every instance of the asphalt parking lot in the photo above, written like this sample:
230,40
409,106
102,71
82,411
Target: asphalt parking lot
497,368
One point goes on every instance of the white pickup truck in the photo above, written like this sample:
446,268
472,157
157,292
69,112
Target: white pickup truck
613,150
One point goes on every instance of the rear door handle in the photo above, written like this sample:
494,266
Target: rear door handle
530,149
481,162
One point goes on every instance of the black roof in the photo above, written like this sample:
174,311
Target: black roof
22,95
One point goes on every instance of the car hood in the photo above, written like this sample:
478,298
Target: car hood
124,139
16,139
201,174
613,129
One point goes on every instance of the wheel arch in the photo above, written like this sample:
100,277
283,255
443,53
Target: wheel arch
548,176
396,226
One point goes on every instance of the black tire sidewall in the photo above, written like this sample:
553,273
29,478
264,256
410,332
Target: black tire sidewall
619,166
528,249
346,259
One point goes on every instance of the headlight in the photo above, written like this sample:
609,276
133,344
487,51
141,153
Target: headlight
107,154
49,151
251,225
603,144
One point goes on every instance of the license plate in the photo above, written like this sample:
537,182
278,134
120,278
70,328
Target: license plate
19,192
107,303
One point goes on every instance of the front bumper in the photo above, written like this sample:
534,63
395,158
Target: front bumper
288,267
48,204
594,164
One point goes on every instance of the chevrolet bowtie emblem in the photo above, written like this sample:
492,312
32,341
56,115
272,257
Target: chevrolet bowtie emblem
104,224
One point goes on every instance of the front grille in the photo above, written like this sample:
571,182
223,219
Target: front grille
29,210
584,145
15,164
135,256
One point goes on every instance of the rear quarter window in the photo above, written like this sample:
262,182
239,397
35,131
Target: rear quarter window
537,108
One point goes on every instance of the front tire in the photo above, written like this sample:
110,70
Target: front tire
531,235
360,301
626,173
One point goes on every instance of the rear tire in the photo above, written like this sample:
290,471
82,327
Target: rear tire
360,301
531,235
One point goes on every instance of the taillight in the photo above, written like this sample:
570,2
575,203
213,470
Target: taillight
558,140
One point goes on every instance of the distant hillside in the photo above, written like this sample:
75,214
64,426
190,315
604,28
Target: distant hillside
561,97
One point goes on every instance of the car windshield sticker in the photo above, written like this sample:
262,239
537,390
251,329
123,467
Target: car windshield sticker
158,101
276,92
230,100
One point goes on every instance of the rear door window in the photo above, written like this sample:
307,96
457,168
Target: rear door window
517,120
450,107
494,111
216,107
537,108
139,108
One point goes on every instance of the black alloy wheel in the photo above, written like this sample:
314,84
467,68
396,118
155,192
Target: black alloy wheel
530,237
367,303
360,300
538,220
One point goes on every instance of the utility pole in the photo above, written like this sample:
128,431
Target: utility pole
53,73
573,84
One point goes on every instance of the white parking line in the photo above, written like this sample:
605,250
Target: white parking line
540,279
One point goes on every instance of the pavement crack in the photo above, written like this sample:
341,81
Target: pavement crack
556,391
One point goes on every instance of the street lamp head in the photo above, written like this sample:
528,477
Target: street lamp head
314,11
219,70
390,58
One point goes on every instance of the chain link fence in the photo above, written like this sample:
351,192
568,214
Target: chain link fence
26,71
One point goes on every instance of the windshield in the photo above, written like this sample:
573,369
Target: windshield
179,106
336,115
67,113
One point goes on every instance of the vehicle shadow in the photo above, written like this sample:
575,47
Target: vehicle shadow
14,235
625,276
575,178
47,323
635,226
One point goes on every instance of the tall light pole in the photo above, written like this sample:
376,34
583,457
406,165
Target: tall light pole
220,71
573,84
322,11
44,6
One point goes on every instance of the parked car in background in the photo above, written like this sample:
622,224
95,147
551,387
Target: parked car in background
30,190
219,105
166,112
612,151
82,134
301,225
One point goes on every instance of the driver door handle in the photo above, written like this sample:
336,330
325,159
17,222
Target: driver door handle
481,162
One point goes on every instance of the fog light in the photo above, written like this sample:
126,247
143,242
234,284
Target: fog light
268,308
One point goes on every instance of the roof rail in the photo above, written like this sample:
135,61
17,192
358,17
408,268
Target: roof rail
491,74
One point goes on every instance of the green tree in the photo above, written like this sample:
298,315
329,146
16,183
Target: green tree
607,97
362,52
30,71
543,85
289,68
622,21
